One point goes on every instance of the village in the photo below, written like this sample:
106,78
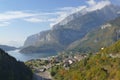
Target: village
41,67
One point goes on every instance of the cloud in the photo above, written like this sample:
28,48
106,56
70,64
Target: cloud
4,24
98,5
6,17
91,2
66,8
35,20
50,17
65,12
33,17
14,15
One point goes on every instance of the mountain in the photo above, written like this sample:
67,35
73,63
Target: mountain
7,48
11,69
72,28
99,38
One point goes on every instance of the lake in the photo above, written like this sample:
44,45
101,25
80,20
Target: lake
25,57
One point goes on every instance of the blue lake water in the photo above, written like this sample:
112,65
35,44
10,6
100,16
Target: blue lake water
25,57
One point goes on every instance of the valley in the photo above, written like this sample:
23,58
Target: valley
60,40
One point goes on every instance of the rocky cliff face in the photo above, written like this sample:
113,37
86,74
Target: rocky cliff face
34,39
72,28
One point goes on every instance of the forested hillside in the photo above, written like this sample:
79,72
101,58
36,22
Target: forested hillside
10,69
102,66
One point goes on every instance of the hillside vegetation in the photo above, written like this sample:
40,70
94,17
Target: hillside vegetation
10,69
113,49
101,66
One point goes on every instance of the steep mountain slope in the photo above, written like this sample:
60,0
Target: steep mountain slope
114,49
101,66
64,33
55,40
7,48
106,35
10,69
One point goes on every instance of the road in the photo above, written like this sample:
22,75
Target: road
42,76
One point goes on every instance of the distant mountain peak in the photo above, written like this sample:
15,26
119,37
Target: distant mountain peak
82,10
104,8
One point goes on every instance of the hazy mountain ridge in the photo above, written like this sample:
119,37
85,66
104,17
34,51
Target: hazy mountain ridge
61,36
7,48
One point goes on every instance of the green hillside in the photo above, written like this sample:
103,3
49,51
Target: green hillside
113,49
100,66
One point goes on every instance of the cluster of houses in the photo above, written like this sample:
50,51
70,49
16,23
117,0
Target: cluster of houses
65,62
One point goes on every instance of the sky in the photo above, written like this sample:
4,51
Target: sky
22,18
